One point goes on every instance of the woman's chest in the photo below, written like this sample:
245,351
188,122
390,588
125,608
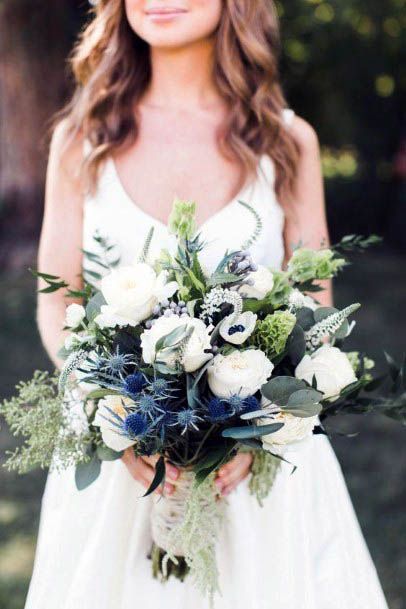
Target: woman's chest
177,158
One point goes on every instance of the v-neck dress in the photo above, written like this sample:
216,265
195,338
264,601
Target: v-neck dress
302,550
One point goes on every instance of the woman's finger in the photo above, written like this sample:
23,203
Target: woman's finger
142,470
234,472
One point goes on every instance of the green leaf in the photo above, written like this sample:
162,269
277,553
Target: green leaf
296,344
324,312
279,389
222,278
97,394
190,305
94,305
304,403
171,339
88,472
305,318
242,433
108,454
158,478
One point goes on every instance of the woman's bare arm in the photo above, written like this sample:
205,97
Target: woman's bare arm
305,208
61,237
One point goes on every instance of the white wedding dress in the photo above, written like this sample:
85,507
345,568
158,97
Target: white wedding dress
302,550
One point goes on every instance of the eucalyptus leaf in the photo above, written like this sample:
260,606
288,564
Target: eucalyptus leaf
279,389
305,318
247,432
97,394
324,312
94,305
108,454
171,339
304,403
88,472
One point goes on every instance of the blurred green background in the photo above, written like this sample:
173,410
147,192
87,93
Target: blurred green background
343,68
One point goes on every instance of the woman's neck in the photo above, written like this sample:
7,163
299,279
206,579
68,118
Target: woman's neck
182,78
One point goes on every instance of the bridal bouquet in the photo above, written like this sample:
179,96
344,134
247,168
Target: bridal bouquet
171,360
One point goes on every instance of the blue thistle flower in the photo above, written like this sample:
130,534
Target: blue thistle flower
147,405
236,403
218,410
135,425
251,404
134,383
159,386
117,362
187,419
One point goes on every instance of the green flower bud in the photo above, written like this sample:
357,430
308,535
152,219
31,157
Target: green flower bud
182,219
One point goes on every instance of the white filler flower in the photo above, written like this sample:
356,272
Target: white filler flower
75,314
193,354
107,421
262,283
131,293
239,373
331,368
236,330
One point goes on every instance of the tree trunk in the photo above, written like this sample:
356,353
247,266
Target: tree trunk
35,38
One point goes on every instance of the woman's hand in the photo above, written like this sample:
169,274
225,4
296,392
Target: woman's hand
142,469
234,472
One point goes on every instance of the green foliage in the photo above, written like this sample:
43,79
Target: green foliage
263,473
198,534
307,265
38,414
270,335
258,226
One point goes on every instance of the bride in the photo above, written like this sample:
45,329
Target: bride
183,97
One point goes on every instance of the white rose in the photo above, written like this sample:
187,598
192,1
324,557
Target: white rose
108,423
236,330
193,357
239,373
131,292
262,283
331,368
75,314
294,431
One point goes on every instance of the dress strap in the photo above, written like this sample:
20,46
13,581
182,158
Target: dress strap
287,116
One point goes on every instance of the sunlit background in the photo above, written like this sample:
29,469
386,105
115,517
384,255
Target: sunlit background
343,69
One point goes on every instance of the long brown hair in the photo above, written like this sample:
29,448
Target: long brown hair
111,67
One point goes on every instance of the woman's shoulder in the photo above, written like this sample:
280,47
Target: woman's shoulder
66,147
302,131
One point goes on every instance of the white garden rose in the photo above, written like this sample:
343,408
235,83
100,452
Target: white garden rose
131,293
294,431
262,281
239,373
74,315
236,330
194,356
331,368
107,422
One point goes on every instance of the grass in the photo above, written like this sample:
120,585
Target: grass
372,462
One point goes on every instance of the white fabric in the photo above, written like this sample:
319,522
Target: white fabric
302,550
